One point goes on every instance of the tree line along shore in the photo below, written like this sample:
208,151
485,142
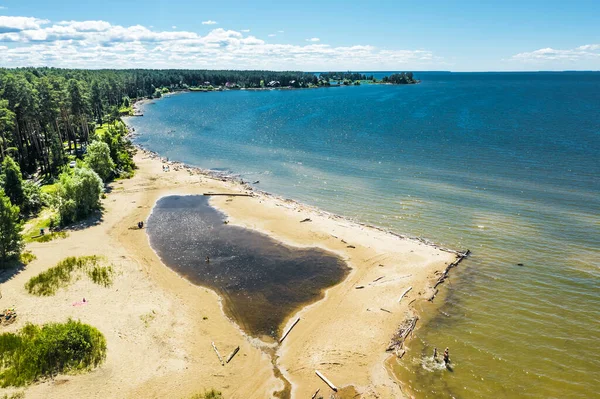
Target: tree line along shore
61,141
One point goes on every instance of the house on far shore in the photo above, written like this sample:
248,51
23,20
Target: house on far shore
206,83
273,83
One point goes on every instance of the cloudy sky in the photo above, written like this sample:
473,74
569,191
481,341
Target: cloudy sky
310,35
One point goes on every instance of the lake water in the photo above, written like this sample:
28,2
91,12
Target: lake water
505,164
261,280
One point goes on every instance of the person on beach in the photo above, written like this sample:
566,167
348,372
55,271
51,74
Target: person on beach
435,354
207,259
446,356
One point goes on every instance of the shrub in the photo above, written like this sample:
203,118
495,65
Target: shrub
48,282
11,241
36,352
33,198
78,194
212,394
13,181
98,158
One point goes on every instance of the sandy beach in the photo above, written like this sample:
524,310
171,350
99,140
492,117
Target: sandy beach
159,327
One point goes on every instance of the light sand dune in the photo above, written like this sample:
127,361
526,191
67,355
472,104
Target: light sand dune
171,356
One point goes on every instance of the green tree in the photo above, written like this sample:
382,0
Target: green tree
10,229
78,194
13,181
7,124
98,158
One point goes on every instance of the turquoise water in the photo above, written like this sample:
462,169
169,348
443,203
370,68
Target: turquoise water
503,164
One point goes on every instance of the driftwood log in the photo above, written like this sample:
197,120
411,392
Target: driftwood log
229,194
326,381
218,354
285,334
405,329
232,354
444,276
404,293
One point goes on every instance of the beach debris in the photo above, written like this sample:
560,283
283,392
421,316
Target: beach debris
435,292
350,246
344,242
520,264
444,276
378,278
326,381
306,220
385,310
229,194
233,353
315,394
285,334
404,293
406,328
359,287
8,316
256,182
218,354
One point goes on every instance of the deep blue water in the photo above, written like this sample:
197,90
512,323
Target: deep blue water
505,164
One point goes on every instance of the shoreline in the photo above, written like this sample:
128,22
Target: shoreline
291,206
185,318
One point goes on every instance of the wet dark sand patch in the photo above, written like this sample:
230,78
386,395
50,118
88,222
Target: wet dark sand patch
261,279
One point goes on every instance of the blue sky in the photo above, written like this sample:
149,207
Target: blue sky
308,35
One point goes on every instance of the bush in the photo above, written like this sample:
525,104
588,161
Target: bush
35,352
98,158
78,194
11,241
48,282
33,198
212,394
13,181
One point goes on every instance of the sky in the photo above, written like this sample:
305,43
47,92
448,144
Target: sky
483,35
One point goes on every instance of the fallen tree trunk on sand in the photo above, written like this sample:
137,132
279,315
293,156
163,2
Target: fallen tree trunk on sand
218,354
404,293
232,354
326,381
285,334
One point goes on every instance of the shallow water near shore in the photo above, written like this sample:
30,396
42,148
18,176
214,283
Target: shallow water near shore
505,164
261,280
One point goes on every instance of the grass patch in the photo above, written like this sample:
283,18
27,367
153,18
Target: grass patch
37,352
15,395
212,394
26,258
148,317
46,220
61,275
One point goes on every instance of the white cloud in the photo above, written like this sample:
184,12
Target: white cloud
313,39
173,27
209,22
18,24
245,30
280,31
100,44
548,54
272,35
3,7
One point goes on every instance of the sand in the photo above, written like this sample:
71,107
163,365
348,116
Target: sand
159,327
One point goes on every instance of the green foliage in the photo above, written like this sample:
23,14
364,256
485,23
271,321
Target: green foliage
14,395
11,241
33,198
212,394
78,194
48,282
13,181
98,158
37,352
27,257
